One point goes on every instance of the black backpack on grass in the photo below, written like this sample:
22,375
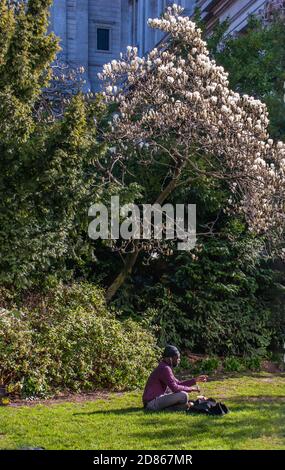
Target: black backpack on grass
209,407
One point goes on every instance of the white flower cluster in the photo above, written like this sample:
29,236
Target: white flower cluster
177,97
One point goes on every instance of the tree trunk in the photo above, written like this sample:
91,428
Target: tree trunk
132,257
120,279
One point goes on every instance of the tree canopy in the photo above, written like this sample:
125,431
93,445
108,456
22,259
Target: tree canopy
175,109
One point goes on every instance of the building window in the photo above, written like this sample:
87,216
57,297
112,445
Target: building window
103,39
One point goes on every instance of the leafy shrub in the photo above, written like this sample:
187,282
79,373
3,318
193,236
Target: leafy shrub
216,305
232,364
68,339
184,364
253,363
206,366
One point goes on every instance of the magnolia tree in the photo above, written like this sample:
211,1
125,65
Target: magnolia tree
65,83
176,101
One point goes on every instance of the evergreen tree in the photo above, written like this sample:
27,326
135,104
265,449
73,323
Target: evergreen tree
45,176
256,65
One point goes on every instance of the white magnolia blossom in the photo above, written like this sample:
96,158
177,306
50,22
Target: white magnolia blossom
178,100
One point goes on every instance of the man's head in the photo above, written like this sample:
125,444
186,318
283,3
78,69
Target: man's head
172,355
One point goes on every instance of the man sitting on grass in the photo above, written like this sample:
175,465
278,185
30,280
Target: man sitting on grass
156,398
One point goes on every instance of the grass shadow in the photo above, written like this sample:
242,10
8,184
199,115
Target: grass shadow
116,411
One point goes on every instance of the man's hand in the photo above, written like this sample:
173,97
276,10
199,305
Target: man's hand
195,389
202,378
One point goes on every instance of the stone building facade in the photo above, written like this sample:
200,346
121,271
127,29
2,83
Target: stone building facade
236,11
93,32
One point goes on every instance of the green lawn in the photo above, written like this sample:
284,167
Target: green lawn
256,421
